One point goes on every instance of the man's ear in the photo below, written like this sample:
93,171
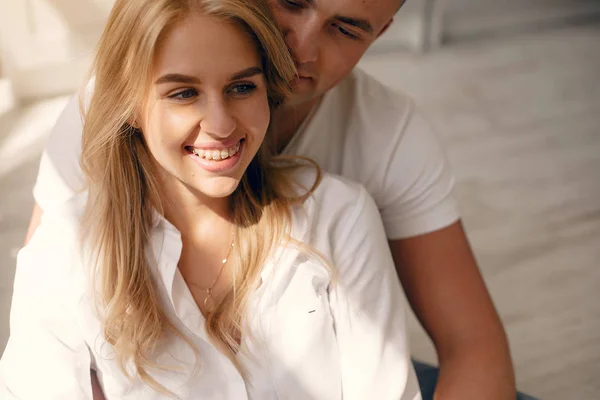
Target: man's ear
385,28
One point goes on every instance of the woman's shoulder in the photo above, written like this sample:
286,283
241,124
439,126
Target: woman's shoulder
335,205
336,192
333,191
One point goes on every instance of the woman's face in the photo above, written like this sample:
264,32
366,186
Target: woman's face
207,111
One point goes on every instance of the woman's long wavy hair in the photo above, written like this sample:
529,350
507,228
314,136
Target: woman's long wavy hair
124,192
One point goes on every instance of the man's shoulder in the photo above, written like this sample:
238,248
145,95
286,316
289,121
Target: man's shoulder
362,108
369,98
365,83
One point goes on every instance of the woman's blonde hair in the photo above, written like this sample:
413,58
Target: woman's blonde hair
124,193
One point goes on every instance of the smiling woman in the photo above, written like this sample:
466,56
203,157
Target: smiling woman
196,264
216,113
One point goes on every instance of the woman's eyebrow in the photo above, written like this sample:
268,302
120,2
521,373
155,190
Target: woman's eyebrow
176,78
181,78
247,73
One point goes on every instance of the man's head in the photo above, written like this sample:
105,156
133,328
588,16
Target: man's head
328,37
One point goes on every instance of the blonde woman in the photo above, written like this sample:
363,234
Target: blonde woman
196,265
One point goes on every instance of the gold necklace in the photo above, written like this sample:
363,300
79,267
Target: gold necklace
209,303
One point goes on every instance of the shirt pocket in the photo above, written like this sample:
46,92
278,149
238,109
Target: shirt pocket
300,335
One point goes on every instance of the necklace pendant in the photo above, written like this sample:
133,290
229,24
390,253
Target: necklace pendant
209,302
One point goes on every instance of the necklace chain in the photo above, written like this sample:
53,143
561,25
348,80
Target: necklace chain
208,299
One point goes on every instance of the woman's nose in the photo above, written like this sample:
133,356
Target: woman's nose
218,120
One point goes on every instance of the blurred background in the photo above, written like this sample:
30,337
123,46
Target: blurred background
513,89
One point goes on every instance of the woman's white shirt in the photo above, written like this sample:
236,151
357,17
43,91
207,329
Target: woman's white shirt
311,336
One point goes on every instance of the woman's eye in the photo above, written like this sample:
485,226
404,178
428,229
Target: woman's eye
243,89
184,94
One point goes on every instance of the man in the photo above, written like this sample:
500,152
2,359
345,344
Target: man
355,127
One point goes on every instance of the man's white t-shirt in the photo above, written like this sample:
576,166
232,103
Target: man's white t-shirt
360,130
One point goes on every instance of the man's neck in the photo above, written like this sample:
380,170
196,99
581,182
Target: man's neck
288,118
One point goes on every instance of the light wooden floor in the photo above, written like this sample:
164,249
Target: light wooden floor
521,120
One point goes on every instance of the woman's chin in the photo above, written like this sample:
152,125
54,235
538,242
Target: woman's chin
218,187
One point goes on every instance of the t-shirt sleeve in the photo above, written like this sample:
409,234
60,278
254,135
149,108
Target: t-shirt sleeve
417,192
60,175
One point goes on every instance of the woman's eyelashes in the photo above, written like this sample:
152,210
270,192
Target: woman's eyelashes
185,95
243,89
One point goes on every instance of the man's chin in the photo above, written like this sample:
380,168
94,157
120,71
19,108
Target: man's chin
303,83
300,97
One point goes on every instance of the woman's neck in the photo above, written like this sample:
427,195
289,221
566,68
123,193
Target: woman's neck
195,215
207,235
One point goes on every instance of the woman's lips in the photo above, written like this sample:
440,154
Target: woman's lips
215,153
217,160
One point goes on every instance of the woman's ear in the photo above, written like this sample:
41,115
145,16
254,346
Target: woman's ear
133,122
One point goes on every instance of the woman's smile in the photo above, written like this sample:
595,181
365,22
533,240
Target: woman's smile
217,159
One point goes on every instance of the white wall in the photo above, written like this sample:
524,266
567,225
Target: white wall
46,44
426,24
415,27
468,18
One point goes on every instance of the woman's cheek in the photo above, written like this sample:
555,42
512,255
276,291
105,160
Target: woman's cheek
176,125
257,117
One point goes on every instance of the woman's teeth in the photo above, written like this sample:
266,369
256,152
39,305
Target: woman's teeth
217,155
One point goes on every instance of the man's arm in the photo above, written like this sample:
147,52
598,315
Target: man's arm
36,217
97,393
46,355
448,295
34,222
60,175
